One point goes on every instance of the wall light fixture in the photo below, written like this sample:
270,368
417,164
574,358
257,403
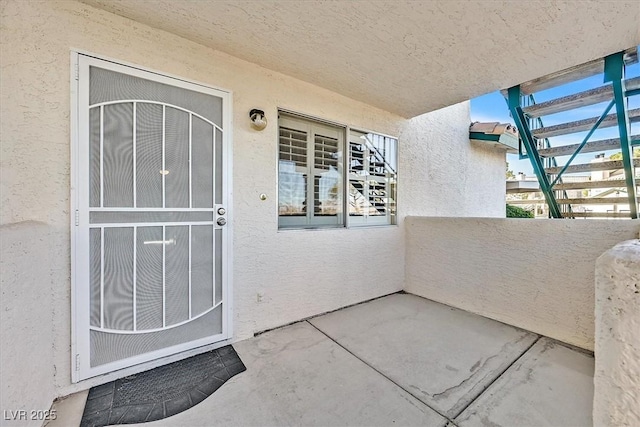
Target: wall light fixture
258,119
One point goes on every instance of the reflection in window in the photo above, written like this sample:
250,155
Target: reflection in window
372,179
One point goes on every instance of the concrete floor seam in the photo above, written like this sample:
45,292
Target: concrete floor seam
306,319
497,377
450,420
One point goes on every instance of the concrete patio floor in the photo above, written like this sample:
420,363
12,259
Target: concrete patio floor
400,360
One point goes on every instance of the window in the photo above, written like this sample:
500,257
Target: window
311,180
372,179
310,174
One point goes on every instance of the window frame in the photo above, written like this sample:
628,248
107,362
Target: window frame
344,219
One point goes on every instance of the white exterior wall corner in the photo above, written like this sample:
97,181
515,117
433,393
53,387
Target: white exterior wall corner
279,277
445,174
26,335
617,349
534,274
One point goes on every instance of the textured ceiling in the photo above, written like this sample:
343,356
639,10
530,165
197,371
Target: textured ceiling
407,57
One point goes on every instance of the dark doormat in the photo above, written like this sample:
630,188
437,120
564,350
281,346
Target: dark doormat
161,392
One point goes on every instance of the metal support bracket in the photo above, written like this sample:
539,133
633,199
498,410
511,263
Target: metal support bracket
614,73
529,143
584,142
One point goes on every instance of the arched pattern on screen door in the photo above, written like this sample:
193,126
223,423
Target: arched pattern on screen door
155,251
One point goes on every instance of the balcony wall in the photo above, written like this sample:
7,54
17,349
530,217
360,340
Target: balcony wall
617,374
534,274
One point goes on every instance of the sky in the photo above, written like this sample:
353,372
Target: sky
492,107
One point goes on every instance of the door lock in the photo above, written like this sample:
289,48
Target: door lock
221,221
222,211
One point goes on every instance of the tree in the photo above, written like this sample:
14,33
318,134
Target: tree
516,212
510,174
618,155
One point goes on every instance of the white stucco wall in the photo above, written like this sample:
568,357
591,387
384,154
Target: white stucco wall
26,332
535,274
444,174
616,399
279,277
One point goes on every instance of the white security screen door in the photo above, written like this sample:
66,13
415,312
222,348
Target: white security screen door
151,235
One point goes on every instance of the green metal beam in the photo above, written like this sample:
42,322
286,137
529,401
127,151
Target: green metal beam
484,137
530,145
614,73
584,142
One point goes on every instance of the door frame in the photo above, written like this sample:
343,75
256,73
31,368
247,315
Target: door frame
80,369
